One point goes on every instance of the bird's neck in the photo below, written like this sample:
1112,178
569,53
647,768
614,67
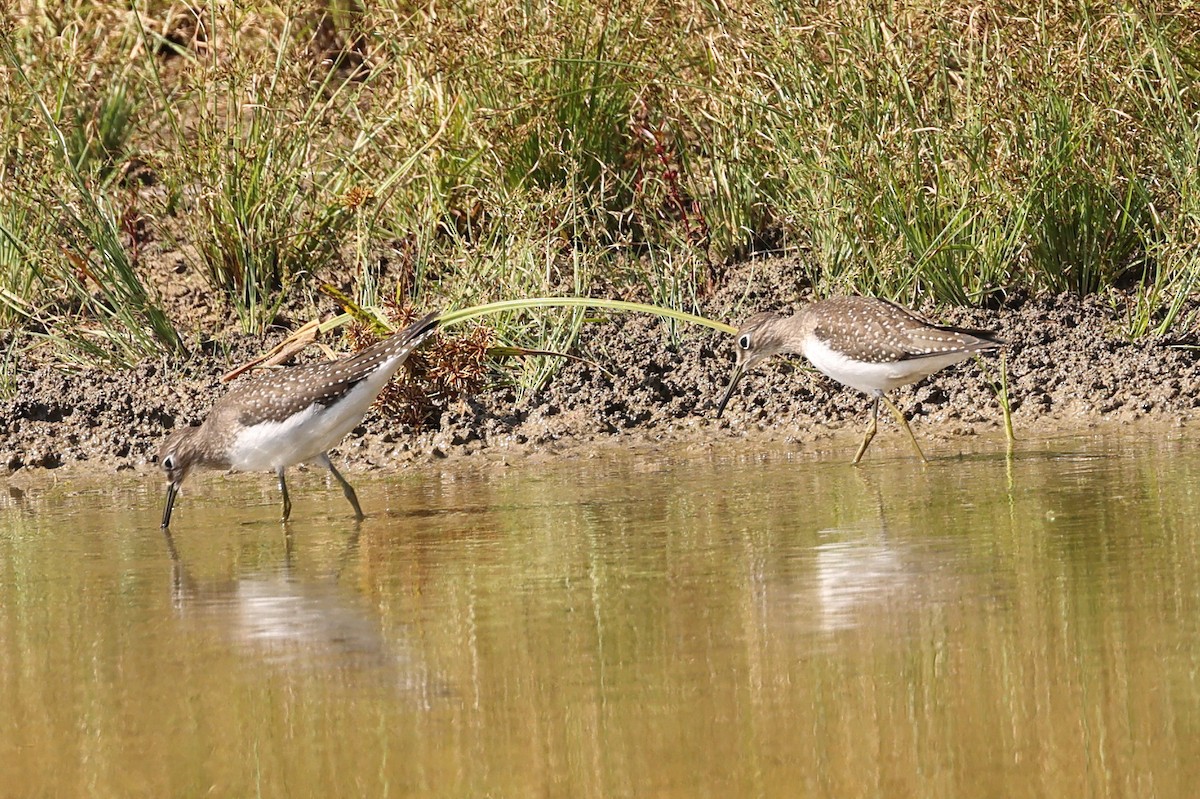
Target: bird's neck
205,448
792,332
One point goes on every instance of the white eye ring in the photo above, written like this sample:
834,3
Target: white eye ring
168,462
744,341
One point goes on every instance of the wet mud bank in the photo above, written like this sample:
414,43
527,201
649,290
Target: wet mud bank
1069,367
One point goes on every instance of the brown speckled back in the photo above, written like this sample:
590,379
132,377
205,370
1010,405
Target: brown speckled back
277,395
878,331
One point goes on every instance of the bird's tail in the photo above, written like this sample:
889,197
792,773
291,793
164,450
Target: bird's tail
400,344
984,340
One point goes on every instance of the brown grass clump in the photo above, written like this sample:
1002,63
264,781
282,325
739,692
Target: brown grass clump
446,368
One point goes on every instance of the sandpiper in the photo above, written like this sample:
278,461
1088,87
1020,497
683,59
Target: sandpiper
289,416
869,344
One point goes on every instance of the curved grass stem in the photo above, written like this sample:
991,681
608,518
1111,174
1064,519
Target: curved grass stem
464,314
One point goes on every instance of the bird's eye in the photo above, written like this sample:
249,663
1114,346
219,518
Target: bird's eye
744,341
168,462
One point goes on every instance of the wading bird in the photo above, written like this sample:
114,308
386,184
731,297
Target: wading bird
289,416
869,344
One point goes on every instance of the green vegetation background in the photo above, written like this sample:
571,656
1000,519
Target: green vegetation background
951,151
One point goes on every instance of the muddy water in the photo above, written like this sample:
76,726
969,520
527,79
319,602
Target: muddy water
670,624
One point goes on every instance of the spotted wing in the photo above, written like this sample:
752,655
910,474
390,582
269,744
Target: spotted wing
877,331
275,396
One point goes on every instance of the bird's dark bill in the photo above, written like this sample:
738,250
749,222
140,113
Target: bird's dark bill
737,375
172,492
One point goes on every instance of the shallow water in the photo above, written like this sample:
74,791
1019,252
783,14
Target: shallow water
683,624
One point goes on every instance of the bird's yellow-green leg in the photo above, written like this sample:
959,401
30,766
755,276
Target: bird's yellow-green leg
904,423
347,489
862,448
287,501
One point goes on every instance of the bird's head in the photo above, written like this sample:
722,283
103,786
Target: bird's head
757,339
175,457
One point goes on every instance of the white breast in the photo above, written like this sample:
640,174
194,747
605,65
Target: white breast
305,435
872,377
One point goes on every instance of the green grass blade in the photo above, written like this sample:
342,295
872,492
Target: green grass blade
464,314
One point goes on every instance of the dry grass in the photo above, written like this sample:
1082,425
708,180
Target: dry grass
930,149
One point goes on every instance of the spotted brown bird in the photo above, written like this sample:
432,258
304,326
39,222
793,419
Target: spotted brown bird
289,416
869,344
